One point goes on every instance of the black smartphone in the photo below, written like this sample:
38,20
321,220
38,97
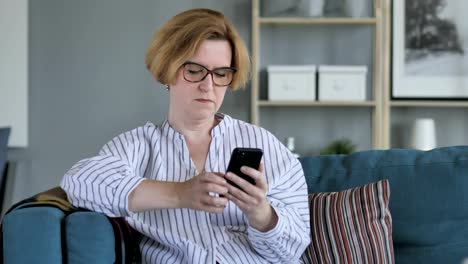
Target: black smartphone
249,157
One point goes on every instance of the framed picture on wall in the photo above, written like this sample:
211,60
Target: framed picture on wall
430,49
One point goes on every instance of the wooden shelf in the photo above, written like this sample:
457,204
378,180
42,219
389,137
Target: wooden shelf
431,103
266,103
375,106
318,21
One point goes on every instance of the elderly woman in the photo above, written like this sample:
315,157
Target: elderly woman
170,181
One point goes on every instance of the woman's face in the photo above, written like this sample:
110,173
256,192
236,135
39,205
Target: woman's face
201,100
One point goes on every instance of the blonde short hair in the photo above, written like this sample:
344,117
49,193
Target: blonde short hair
180,37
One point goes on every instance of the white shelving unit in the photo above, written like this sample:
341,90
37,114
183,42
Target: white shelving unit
381,104
374,104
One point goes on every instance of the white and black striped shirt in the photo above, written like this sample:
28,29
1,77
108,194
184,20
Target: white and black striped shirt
103,183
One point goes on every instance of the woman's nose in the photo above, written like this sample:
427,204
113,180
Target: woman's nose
207,84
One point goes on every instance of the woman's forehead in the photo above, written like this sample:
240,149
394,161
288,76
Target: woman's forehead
213,54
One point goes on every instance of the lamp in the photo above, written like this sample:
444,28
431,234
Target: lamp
423,136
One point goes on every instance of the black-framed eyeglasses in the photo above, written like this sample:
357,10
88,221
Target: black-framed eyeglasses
194,72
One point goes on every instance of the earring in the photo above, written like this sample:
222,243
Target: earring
167,87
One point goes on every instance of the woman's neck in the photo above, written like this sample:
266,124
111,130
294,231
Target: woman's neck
192,128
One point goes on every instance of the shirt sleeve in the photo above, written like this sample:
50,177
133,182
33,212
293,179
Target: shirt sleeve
287,241
104,182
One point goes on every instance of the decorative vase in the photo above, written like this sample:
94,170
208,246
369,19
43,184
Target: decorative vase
423,135
280,7
314,7
356,8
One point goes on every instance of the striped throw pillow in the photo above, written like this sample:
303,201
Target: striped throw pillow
351,226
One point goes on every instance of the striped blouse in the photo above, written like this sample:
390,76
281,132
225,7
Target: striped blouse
104,182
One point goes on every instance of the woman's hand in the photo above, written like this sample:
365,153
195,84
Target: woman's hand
251,199
195,193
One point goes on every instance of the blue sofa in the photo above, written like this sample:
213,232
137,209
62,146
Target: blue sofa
428,203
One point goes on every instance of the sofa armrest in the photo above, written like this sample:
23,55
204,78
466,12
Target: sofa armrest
46,228
89,238
33,235
45,234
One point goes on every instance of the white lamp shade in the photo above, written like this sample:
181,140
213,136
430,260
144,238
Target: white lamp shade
423,135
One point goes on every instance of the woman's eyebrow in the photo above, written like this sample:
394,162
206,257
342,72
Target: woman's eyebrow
199,64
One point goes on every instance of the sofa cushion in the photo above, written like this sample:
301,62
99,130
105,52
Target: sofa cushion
429,204
351,226
36,229
89,238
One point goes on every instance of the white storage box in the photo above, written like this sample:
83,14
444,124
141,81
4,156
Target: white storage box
342,83
293,83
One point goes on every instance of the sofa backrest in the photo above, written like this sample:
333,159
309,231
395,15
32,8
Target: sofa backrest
428,200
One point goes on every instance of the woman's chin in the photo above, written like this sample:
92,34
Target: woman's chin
201,114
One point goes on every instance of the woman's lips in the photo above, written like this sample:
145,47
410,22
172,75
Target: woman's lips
204,101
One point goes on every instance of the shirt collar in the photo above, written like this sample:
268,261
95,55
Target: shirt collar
224,123
169,132
220,129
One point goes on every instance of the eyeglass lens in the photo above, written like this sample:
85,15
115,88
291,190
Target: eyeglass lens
194,72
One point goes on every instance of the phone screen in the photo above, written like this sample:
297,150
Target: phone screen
249,157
